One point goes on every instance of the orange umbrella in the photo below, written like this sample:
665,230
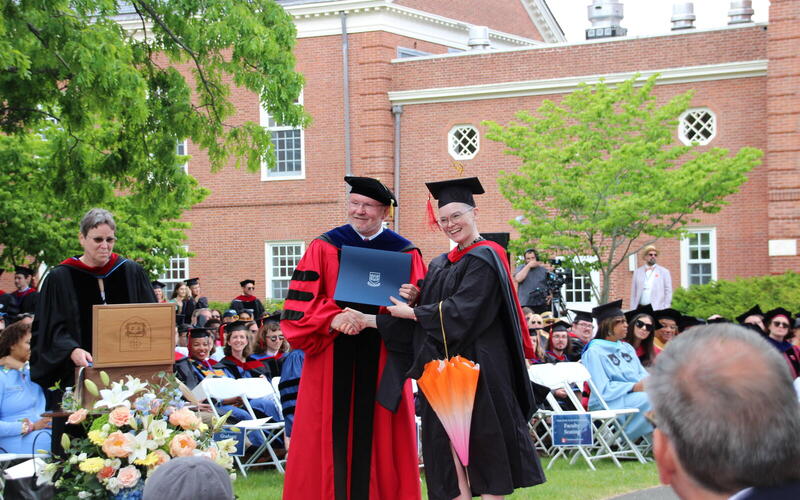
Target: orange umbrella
449,386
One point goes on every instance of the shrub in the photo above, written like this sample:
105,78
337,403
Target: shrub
732,298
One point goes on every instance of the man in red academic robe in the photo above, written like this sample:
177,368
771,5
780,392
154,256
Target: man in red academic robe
346,446
248,300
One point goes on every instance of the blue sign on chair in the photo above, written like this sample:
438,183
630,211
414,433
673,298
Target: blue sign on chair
572,430
235,433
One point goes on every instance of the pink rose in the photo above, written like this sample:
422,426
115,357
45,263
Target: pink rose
128,476
119,416
185,419
118,445
77,417
106,472
163,457
182,445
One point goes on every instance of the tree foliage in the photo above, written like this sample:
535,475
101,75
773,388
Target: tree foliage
602,175
92,104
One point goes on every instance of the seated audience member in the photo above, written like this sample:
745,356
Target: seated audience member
247,300
536,322
194,288
687,322
616,371
722,435
291,368
778,323
216,314
181,341
158,291
252,333
189,478
641,333
536,342
559,347
200,317
582,331
2,321
184,305
271,346
753,316
230,316
246,315
795,331
666,327
22,429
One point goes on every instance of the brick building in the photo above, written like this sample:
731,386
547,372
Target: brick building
377,70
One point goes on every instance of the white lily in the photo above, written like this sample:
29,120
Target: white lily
159,431
116,396
135,385
142,445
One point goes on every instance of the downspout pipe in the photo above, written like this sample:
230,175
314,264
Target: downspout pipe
348,166
397,110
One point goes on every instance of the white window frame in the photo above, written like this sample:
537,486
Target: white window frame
682,128
685,260
185,145
451,146
594,276
264,119
170,282
268,269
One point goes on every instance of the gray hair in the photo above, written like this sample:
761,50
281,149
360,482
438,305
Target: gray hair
724,398
97,217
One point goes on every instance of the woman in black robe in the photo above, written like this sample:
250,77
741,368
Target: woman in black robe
484,323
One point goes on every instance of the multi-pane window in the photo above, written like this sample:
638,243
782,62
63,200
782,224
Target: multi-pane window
282,258
176,272
182,149
697,125
463,142
578,289
698,256
287,142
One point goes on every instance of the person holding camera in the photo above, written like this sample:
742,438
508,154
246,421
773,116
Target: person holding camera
531,278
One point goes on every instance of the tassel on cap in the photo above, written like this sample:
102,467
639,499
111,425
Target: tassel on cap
433,224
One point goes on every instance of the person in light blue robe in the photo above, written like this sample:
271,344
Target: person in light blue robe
616,371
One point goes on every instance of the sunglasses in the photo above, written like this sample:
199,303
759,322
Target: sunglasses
275,337
109,240
780,324
641,324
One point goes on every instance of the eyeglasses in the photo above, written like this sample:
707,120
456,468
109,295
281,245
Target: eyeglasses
249,288
275,337
620,320
780,324
443,221
641,324
537,322
652,255
110,240
662,326
366,206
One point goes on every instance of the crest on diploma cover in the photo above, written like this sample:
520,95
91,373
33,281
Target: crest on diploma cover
374,279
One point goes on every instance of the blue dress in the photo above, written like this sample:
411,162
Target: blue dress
21,398
615,369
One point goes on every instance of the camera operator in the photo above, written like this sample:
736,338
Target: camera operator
531,278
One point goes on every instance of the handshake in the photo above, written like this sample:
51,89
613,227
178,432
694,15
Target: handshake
351,322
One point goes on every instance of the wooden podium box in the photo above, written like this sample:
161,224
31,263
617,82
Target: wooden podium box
130,339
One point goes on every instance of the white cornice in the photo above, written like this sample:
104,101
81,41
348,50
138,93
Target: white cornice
722,71
544,20
323,19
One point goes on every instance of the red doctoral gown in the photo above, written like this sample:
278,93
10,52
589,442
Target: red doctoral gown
345,446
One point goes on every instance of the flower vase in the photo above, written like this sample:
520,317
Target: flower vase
134,493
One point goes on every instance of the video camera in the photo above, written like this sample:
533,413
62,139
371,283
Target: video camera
556,279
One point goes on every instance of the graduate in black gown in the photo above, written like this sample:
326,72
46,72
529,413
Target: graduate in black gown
23,299
484,323
62,328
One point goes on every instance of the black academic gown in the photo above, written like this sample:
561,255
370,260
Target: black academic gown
481,325
15,303
63,319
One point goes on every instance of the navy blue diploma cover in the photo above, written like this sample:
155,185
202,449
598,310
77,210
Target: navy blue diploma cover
368,276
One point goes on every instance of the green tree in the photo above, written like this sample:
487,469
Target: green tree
92,104
602,175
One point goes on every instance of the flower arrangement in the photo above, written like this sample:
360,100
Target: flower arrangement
133,428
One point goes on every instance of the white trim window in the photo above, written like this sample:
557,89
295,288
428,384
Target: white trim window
288,146
182,149
463,142
177,271
699,257
577,290
281,260
697,125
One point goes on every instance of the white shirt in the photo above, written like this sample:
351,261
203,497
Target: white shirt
647,286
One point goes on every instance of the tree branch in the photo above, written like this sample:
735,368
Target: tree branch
38,36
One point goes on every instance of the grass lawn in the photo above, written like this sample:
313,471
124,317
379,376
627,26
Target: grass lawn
564,481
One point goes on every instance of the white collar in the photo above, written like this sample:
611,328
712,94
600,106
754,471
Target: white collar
370,238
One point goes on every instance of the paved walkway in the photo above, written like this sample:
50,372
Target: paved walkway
656,493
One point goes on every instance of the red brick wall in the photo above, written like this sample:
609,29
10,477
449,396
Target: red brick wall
509,16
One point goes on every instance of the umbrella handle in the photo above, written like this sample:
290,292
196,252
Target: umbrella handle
444,337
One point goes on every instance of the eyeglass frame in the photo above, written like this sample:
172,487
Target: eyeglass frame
454,218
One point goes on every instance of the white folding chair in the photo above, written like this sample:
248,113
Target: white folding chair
540,427
214,388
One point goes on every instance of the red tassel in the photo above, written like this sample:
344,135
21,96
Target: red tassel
433,224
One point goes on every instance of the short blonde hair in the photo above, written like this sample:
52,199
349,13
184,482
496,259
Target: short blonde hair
648,249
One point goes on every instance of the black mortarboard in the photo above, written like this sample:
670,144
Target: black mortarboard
245,282
456,190
199,333
25,271
184,328
755,328
193,281
157,284
668,313
581,316
645,309
371,188
778,311
609,310
560,326
753,311
274,317
234,326
718,319
689,321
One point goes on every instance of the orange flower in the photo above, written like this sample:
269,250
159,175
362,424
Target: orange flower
119,416
163,457
182,445
106,472
184,418
117,445
77,417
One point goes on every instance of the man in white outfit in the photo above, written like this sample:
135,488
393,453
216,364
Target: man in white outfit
652,284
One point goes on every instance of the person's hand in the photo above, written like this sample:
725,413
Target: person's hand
237,401
204,407
409,292
401,309
349,322
43,423
638,386
80,357
560,393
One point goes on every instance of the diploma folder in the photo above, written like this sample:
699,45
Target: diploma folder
369,276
